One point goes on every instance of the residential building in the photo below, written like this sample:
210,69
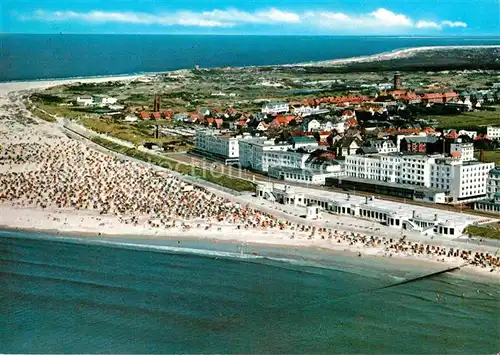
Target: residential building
220,146
275,107
381,146
303,141
493,132
418,144
466,150
470,134
348,146
311,125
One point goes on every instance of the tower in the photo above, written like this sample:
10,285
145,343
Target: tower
156,103
397,81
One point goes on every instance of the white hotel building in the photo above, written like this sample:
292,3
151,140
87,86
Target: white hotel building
463,181
223,147
260,153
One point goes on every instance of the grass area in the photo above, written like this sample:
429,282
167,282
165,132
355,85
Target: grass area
467,119
484,231
62,111
137,133
40,114
224,180
490,155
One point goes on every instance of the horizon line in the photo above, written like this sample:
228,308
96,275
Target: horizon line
256,34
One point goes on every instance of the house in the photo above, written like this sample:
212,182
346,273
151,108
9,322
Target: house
302,141
281,120
381,146
156,116
311,125
130,118
327,126
203,111
348,146
347,114
275,107
418,144
218,122
168,114
85,100
180,117
144,115
262,126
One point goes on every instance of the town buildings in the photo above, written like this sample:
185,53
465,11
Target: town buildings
395,215
493,132
491,203
223,147
96,100
275,108
462,181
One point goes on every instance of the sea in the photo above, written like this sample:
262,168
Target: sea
49,56
69,294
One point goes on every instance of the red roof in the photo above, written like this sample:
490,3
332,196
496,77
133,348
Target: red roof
219,122
452,134
156,115
145,115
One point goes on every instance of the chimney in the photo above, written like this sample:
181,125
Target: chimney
413,214
435,216
366,198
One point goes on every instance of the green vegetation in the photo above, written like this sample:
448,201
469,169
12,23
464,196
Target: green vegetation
467,120
490,155
224,180
137,133
484,231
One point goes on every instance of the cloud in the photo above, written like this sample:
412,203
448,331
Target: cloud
428,24
379,19
389,18
454,24
439,26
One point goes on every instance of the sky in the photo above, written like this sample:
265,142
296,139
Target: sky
277,17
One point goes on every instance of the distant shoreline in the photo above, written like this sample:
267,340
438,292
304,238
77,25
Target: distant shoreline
393,54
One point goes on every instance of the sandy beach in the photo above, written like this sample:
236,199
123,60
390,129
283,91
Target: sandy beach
50,182
395,54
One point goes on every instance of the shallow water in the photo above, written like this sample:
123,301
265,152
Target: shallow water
64,296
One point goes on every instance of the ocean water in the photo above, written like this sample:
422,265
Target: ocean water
29,57
70,297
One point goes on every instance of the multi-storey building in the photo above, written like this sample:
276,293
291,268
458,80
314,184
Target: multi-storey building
492,202
463,181
260,154
221,146
493,132
466,150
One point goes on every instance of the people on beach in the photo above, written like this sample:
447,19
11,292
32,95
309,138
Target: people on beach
60,173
